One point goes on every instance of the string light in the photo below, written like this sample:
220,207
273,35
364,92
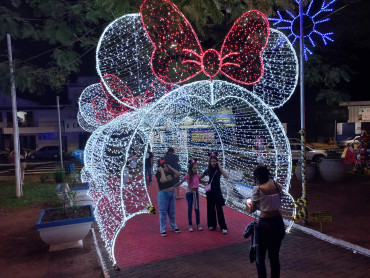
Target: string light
178,55
310,27
194,119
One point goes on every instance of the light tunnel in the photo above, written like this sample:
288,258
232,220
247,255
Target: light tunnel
195,119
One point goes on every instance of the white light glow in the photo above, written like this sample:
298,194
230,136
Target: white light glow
194,119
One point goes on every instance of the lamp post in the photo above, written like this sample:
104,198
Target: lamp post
60,136
18,185
303,112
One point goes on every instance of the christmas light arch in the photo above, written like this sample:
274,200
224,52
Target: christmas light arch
228,118
125,200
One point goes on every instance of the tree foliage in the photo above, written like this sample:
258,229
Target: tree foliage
50,39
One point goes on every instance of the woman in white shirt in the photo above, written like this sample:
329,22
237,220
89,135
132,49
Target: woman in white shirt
266,197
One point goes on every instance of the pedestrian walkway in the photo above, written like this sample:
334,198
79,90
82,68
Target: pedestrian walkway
141,251
34,168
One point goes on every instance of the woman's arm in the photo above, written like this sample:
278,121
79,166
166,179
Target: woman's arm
252,203
202,181
176,173
222,170
180,182
163,175
251,207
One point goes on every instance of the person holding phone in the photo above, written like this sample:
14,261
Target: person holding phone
215,200
266,197
173,160
166,178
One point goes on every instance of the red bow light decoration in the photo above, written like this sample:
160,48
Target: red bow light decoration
117,94
178,55
212,155
162,161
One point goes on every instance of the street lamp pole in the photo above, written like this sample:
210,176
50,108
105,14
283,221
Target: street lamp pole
18,186
60,136
303,112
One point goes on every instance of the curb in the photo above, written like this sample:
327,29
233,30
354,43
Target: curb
101,260
339,242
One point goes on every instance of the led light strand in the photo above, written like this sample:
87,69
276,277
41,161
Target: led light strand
194,119
288,24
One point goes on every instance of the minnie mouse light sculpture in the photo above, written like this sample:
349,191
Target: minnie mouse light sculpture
143,61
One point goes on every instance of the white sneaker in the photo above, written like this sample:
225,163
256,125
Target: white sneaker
224,231
211,228
200,228
191,228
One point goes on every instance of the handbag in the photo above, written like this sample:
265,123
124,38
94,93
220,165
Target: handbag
208,187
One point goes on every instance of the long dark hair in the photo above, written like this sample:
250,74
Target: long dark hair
261,174
190,170
210,168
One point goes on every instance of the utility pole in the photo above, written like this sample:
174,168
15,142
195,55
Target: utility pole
17,164
60,136
303,113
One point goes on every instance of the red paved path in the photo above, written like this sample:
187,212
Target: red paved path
140,242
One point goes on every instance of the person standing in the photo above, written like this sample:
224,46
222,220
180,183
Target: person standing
133,162
173,160
266,197
215,200
192,194
23,156
166,176
149,165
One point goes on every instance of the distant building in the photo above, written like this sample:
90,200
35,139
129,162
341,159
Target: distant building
358,119
38,124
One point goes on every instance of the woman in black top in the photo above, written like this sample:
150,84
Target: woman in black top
215,200
166,176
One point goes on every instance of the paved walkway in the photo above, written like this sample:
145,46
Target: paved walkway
142,252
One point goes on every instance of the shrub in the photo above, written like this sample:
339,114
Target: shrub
59,176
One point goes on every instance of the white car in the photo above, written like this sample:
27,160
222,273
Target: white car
311,154
350,140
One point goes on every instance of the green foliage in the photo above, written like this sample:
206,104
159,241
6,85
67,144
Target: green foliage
327,79
44,177
50,38
73,178
59,176
68,197
34,193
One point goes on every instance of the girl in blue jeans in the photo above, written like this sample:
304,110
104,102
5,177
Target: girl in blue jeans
192,194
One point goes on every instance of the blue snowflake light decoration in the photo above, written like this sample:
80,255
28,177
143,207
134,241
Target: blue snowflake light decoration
310,23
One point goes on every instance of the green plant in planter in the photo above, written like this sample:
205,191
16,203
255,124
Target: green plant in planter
68,199
68,209
59,176
73,178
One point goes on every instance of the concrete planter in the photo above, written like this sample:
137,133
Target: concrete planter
332,170
63,234
311,172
